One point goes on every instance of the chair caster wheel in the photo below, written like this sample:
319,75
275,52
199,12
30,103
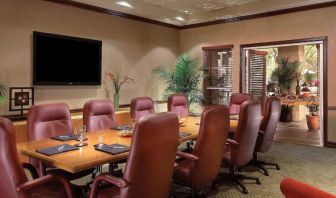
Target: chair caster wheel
258,182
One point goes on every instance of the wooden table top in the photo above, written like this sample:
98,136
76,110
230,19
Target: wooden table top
87,157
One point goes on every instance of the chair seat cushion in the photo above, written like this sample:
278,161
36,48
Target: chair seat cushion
53,189
109,191
182,171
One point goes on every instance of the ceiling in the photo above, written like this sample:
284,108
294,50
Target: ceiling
187,12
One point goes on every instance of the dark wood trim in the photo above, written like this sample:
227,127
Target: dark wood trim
284,42
263,14
325,74
325,92
112,12
228,20
218,47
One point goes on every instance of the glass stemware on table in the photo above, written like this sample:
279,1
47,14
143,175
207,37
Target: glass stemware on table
81,133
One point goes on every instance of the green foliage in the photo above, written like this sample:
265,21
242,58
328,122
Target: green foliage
313,108
185,79
3,91
285,75
309,77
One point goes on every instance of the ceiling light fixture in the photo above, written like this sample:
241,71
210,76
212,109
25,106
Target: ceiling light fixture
180,18
124,3
186,11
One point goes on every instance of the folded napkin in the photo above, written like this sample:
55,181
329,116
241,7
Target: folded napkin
184,134
113,148
56,149
120,128
66,137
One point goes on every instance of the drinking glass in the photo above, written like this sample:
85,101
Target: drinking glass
100,139
81,134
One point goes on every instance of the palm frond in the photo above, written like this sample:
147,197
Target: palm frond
184,78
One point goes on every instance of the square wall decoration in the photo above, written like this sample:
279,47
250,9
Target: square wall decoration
21,98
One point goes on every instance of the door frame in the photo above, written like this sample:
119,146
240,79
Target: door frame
324,40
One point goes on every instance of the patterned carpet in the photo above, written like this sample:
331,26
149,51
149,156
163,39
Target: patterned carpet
313,165
310,164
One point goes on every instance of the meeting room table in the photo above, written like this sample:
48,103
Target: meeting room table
88,157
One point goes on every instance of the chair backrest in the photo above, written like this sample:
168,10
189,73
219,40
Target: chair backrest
141,106
48,120
149,167
237,100
98,115
269,124
45,121
291,188
213,132
178,103
11,172
246,133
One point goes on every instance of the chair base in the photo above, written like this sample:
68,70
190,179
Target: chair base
233,176
261,165
193,192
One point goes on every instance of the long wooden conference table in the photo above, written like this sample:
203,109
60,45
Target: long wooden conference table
87,157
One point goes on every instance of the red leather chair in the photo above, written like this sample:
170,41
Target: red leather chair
98,115
149,167
291,188
200,168
266,133
240,150
178,103
14,182
46,121
141,106
236,101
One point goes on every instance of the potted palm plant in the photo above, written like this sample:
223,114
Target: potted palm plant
313,118
185,78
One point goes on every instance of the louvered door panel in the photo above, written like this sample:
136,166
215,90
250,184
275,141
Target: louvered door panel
257,74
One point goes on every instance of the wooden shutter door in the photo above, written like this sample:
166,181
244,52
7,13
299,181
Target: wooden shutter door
256,74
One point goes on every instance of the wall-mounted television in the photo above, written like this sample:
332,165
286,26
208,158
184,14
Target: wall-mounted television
65,60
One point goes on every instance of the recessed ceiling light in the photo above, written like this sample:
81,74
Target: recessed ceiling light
186,11
180,18
124,3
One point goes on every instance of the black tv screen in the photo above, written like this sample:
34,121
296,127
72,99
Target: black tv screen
65,60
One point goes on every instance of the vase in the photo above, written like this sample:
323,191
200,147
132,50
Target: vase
116,101
298,89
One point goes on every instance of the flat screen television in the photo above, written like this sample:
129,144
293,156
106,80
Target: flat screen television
65,60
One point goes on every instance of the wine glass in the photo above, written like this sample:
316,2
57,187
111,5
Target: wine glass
81,135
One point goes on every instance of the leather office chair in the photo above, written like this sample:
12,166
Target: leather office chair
266,132
178,103
240,150
236,101
98,115
200,168
14,182
141,106
149,167
46,121
291,188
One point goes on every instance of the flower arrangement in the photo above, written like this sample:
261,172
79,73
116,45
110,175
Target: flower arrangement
119,81
313,109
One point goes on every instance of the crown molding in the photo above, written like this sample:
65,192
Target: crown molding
202,24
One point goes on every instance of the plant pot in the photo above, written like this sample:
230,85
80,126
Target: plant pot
313,122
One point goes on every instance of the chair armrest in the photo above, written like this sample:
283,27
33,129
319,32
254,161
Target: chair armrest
187,156
232,142
31,169
42,181
119,182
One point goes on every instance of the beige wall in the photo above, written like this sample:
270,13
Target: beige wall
130,46
314,23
